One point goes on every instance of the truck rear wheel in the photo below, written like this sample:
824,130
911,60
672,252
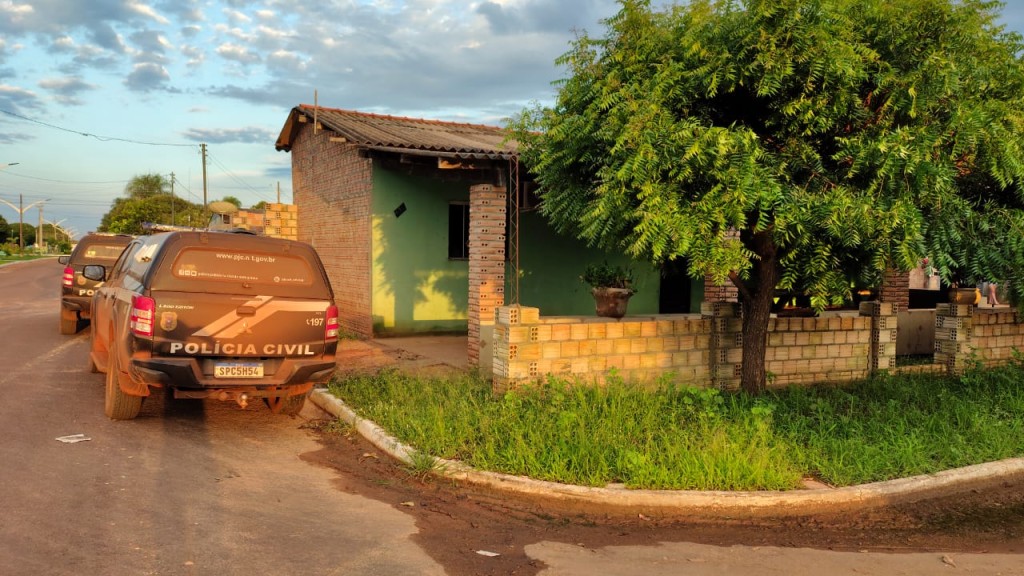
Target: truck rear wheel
117,404
287,405
68,322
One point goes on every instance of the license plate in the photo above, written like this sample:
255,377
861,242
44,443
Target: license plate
238,370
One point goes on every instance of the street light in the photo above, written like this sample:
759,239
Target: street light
21,215
56,226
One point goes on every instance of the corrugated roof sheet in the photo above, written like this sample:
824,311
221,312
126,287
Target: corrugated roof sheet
395,133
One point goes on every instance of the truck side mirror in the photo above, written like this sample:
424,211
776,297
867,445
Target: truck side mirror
64,260
95,272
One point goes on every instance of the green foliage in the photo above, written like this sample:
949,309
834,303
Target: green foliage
17,231
670,436
606,275
786,144
233,200
145,203
146,186
5,231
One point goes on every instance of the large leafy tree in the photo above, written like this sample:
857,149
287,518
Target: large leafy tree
790,144
147,200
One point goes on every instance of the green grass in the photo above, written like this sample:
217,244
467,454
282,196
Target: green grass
23,257
679,437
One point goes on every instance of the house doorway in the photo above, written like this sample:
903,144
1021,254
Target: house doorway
675,288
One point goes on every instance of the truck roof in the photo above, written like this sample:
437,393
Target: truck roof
230,262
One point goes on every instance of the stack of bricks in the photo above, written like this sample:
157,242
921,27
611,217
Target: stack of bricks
830,348
487,208
882,351
281,221
277,220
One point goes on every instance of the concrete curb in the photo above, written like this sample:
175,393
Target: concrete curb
703,503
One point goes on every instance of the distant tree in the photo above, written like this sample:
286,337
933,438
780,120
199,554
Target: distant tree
128,215
233,200
791,144
4,230
18,231
147,185
261,205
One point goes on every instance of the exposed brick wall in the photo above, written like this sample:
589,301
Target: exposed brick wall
720,292
487,209
332,187
895,288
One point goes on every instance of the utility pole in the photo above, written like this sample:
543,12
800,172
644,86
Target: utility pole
279,192
172,198
202,147
40,239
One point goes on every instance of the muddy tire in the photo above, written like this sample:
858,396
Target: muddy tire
68,322
288,405
117,404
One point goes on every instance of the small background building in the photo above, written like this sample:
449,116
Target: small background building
388,204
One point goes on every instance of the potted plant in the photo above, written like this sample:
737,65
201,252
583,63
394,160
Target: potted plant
611,286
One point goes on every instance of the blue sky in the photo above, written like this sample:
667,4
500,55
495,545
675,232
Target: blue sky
94,92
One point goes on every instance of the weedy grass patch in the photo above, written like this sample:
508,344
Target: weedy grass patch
672,436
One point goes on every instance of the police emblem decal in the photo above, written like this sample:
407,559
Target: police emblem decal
168,321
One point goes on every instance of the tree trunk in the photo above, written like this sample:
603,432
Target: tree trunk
756,296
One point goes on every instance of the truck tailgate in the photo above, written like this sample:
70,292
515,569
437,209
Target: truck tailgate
195,324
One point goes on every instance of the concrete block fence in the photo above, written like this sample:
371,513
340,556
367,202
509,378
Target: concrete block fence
703,349
965,334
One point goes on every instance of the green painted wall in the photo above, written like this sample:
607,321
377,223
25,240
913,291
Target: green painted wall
416,288
550,266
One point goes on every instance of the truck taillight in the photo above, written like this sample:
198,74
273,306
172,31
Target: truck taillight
141,317
69,277
331,330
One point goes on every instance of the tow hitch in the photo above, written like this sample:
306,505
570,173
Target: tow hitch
242,399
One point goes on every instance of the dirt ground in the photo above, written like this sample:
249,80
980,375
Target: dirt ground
455,520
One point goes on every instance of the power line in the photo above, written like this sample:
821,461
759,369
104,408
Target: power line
96,136
9,173
244,184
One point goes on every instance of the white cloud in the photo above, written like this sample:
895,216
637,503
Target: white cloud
66,89
147,76
147,11
236,17
237,53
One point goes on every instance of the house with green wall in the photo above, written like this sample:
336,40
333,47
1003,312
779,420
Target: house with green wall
388,203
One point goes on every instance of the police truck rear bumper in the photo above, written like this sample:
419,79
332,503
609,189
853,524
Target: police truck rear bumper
188,373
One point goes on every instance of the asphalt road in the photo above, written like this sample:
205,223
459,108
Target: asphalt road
189,488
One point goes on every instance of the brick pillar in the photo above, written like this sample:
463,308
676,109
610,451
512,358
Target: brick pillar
487,206
953,330
895,288
720,292
882,349
725,347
